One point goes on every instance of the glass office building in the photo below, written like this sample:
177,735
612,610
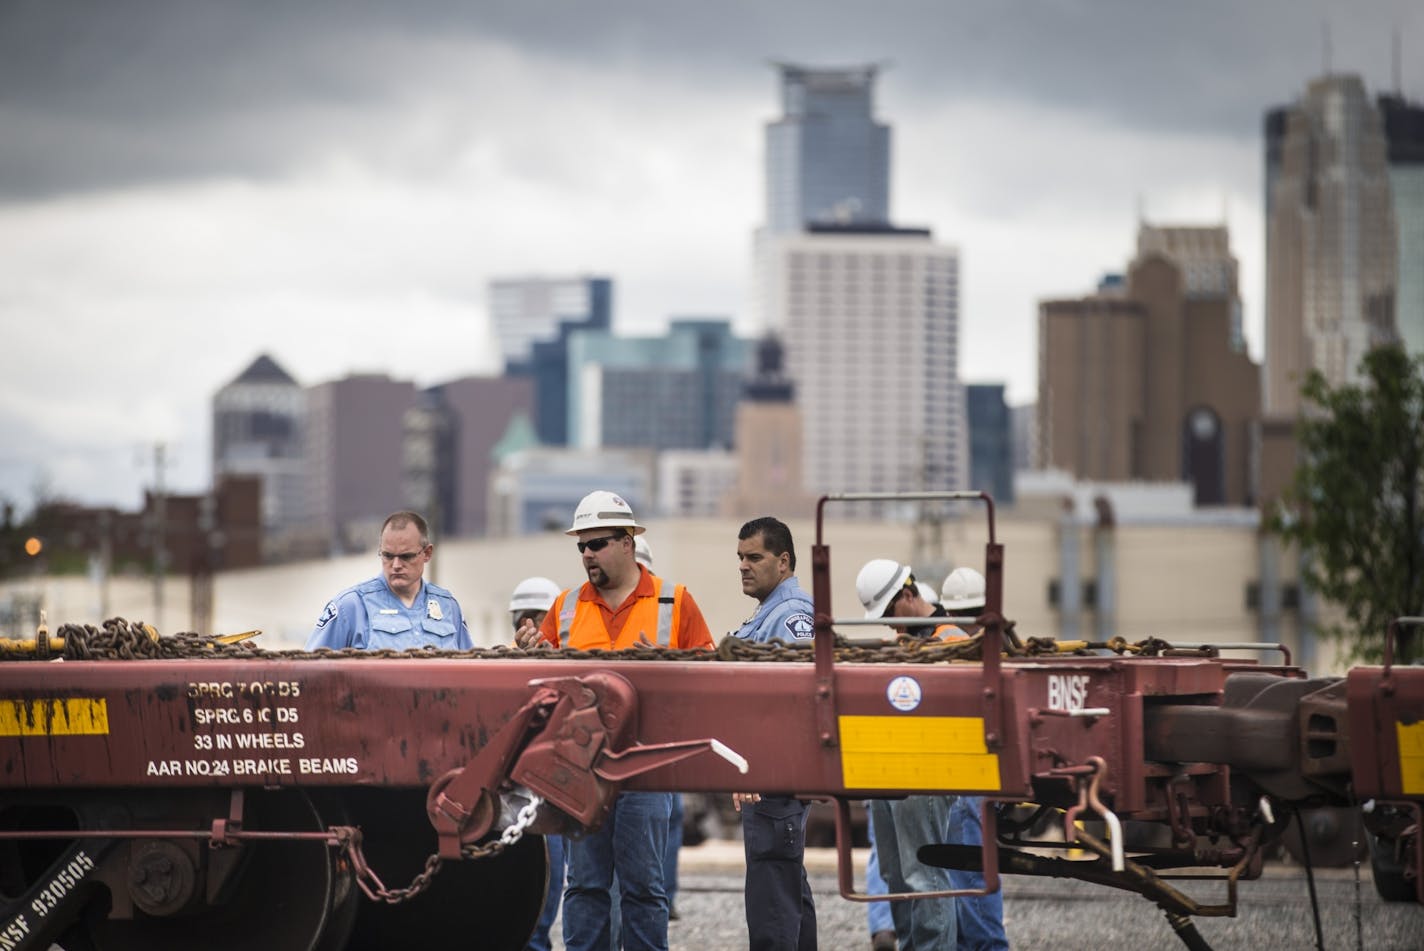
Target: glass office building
827,159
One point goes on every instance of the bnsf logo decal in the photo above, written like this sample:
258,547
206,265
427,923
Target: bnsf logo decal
1067,692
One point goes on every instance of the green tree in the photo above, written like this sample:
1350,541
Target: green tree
1356,506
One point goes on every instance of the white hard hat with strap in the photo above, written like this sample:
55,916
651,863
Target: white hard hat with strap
878,582
603,509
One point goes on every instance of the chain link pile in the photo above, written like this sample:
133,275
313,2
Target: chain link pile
120,639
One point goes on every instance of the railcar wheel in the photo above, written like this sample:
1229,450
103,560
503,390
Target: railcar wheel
1334,837
280,895
485,903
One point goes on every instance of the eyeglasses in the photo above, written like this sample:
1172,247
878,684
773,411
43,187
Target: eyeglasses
597,544
405,556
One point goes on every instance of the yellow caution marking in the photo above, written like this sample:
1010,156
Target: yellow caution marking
1411,757
898,752
70,716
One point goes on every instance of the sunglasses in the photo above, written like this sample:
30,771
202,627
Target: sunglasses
598,544
406,557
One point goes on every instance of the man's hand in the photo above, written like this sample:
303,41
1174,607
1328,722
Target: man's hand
527,637
744,797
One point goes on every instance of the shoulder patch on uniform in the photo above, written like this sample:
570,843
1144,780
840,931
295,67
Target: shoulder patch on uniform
327,615
800,625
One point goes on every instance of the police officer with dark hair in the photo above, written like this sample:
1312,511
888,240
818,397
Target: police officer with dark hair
781,915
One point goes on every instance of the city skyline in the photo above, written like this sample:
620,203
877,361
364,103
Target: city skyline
184,188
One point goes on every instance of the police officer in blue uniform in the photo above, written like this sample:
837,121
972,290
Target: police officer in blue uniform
398,609
781,915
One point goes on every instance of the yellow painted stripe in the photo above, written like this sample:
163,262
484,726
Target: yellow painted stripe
897,752
58,717
1411,757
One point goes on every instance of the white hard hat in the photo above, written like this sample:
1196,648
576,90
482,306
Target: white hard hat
642,552
964,588
533,594
927,591
878,582
603,509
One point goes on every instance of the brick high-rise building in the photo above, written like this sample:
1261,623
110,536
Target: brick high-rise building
355,450
464,421
1141,381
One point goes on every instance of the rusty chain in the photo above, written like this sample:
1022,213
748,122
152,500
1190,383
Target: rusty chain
370,883
120,639
349,839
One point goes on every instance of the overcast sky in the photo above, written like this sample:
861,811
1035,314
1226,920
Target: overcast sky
186,185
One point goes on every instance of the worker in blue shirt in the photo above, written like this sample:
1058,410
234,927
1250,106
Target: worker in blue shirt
781,915
398,609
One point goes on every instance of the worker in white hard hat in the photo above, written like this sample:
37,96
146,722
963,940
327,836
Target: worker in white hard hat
643,554
622,605
981,919
529,602
963,591
887,589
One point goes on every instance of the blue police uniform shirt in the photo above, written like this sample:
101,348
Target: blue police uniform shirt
787,613
369,616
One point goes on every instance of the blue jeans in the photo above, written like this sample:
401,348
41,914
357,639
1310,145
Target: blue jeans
539,940
631,843
981,920
674,844
901,827
877,913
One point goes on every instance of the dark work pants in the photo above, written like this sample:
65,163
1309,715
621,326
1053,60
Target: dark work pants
781,915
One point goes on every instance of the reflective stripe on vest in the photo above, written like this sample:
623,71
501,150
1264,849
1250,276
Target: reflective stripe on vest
665,605
578,613
566,616
949,632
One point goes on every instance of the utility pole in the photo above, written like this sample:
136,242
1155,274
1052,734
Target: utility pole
101,562
204,564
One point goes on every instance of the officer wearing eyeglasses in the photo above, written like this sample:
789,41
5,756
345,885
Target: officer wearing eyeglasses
398,609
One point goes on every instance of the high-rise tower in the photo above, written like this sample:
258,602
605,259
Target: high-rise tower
1404,131
258,429
870,317
1330,239
827,159
868,312
533,318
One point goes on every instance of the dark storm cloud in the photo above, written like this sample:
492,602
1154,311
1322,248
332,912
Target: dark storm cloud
100,94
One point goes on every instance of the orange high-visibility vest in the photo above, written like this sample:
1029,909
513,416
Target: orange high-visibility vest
950,632
658,617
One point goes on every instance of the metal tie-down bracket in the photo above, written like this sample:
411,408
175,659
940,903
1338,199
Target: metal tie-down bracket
573,743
